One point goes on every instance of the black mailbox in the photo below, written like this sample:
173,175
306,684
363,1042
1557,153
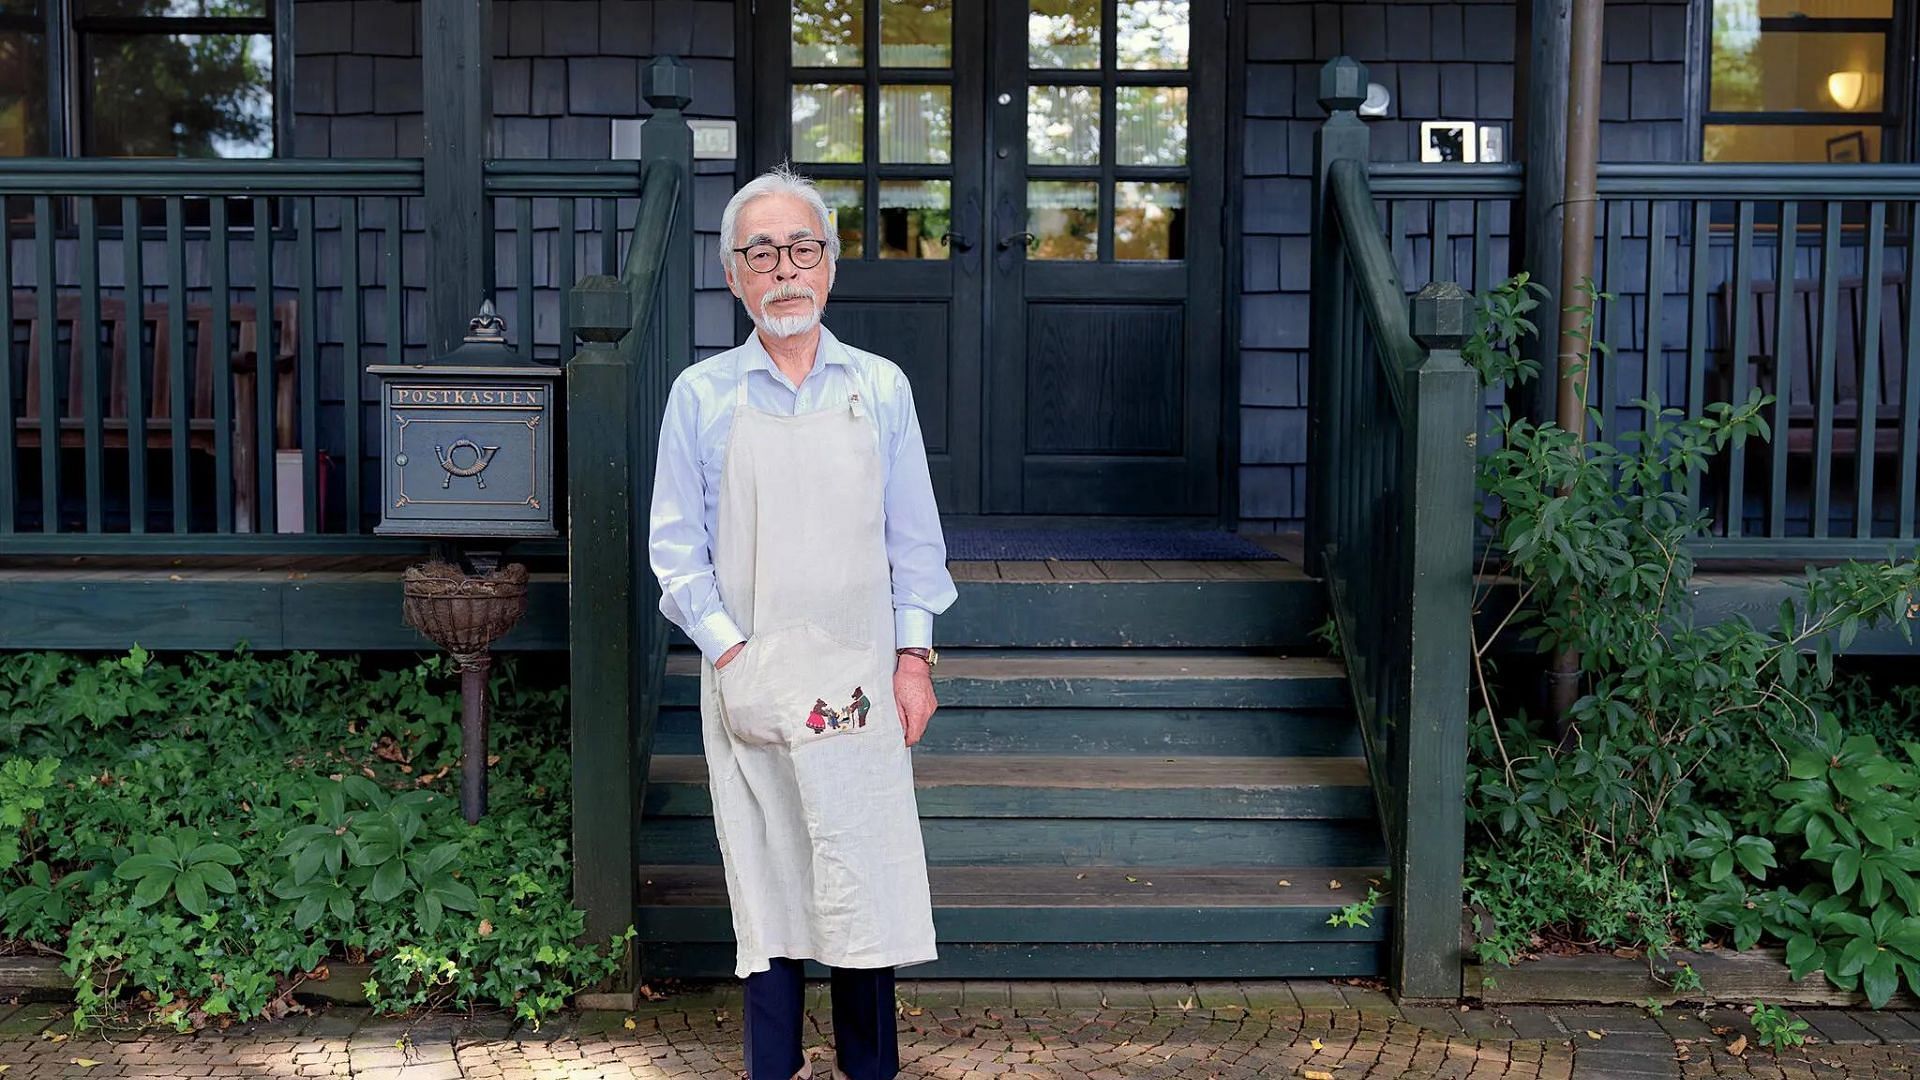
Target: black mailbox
467,440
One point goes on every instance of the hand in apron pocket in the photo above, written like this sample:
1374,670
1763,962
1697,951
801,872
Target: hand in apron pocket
795,685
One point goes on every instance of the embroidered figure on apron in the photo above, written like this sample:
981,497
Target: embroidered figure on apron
814,805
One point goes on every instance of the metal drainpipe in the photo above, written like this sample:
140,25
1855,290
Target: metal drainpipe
1576,263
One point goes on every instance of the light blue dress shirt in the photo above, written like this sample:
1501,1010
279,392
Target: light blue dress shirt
693,448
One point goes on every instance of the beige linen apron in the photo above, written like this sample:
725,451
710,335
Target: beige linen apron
812,780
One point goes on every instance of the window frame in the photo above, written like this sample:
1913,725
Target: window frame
1894,119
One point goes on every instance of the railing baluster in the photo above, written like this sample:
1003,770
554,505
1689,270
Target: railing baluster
523,273
1614,327
1910,390
178,362
86,353
49,321
1869,381
1742,286
350,376
610,236
309,360
9,470
1441,231
1482,247
1697,312
220,281
563,276
266,366
395,293
1653,363
135,380
1783,343
1823,371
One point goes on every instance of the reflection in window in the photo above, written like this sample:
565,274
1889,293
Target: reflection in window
827,122
1797,80
1840,145
1149,221
916,124
1151,34
23,93
1063,125
828,33
916,33
1150,125
915,216
1063,34
180,95
847,205
1064,218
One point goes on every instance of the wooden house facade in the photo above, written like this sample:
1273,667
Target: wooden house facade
1145,262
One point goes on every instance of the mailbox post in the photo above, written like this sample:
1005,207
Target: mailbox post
467,453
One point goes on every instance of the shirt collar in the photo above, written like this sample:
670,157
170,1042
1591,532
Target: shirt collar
756,357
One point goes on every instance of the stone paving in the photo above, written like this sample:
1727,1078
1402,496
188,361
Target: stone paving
967,1031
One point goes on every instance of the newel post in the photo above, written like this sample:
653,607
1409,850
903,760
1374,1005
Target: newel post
668,86
1343,86
1430,760
601,635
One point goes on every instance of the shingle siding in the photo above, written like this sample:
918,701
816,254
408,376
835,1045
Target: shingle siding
1439,61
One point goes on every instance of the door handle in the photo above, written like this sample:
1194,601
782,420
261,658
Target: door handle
1023,238
956,241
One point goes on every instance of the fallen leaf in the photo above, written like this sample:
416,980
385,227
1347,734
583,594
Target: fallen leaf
1592,1034
1738,1046
1318,1045
493,759
651,994
629,1025
1131,878
1333,884
1284,883
486,927
1316,1074
85,1063
56,1037
1722,1029
1187,1005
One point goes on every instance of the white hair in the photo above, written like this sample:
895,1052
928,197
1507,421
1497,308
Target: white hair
781,180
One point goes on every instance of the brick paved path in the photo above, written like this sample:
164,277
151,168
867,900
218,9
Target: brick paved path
1317,1031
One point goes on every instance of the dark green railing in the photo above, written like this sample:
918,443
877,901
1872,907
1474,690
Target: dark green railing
1394,416
1693,256
217,405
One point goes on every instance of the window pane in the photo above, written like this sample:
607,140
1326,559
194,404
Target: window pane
1151,34
1063,34
209,9
1149,221
1792,72
916,124
1783,142
28,9
1063,125
847,204
827,122
1151,123
829,33
1827,9
914,215
181,95
23,96
1064,218
916,33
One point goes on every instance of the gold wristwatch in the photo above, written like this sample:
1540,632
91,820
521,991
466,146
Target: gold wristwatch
931,656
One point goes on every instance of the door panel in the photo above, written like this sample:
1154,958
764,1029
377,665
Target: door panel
1098,381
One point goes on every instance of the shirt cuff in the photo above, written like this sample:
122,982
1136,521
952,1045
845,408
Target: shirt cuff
715,634
912,628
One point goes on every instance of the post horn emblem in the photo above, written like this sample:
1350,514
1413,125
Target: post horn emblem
482,457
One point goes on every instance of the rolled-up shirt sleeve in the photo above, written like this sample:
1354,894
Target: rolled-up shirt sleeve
679,545
916,548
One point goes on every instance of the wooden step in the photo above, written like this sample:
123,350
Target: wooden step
1060,786
1105,678
1280,610
1302,732
1091,960
1054,904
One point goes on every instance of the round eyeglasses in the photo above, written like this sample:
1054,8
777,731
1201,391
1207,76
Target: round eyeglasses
762,258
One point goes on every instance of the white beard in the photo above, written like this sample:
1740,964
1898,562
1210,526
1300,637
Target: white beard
785,326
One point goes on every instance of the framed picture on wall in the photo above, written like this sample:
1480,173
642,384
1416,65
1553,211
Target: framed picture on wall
1849,149
1448,140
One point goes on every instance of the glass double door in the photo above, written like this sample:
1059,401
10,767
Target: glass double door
1028,198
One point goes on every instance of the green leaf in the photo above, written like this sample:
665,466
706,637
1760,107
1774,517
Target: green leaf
1846,869
1880,978
218,878
307,863
1853,958
134,866
152,887
309,911
191,890
341,904
1722,866
388,881
214,852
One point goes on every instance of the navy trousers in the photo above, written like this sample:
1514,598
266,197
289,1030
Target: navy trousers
864,1034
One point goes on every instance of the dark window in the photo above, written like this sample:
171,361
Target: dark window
23,79
1802,80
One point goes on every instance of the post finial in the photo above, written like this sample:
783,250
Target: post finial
667,84
1442,316
1343,85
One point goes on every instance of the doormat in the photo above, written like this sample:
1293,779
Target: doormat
1081,544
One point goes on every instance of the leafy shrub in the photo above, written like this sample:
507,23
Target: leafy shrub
1698,761
214,829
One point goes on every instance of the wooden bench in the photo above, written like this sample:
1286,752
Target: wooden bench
1802,348
123,339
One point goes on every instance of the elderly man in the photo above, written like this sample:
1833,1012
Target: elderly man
797,543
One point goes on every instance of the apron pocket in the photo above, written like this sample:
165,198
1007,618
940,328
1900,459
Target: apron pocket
797,684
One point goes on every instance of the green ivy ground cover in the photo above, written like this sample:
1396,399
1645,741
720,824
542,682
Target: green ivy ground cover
1712,783
192,835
